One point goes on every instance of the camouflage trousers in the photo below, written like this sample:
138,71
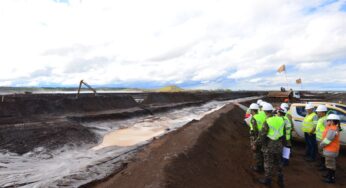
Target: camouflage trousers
257,154
272,152
330,163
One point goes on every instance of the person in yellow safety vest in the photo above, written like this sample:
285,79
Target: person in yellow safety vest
331,145
288,113
281,112
255,127
260,104
321,126
308,127
271,139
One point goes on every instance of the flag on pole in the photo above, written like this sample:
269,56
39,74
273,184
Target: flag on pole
299,81
282,68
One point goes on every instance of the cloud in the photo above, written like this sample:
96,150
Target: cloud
110,42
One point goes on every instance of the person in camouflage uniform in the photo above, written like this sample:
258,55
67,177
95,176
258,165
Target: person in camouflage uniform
256,122
271,139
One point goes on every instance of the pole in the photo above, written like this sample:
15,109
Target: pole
286,80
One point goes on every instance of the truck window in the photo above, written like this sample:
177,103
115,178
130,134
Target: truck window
340,114
342,107
301,111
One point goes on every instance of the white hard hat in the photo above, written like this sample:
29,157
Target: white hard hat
283,110
333,117
284,105
261,104
254,106
259,101
321,108
309,106
267,107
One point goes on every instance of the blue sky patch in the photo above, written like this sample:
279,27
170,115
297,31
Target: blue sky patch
61,1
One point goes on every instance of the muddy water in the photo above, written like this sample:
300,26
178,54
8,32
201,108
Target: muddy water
74,166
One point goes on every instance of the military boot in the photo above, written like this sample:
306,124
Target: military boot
265,181
327,174
322,166
281,181
331,177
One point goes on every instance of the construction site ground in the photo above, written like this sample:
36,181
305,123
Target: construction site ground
212,152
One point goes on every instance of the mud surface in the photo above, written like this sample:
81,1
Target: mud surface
53,135
28,121
212,152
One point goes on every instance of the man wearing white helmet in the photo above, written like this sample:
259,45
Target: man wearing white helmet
255,127
331,145
308,127
259,101
270,138
321,124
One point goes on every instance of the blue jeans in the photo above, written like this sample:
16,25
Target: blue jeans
311,145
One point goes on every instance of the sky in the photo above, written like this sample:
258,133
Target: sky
205,44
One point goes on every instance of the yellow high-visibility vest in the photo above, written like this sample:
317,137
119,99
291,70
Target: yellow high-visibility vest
276,127
321,126
308,123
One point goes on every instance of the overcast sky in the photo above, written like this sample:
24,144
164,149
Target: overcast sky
206,44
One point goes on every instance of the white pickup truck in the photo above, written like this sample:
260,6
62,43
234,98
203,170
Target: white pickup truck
298,113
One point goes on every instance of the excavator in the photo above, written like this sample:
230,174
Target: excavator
87,85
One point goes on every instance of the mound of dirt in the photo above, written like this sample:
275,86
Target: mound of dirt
204,153
220,152
213,152
51,135
31,105
185,97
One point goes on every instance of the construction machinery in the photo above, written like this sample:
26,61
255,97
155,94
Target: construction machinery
87,85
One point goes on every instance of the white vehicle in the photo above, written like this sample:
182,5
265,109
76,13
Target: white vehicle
296,94
298,113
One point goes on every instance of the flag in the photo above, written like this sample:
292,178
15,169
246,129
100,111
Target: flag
299,81
282,68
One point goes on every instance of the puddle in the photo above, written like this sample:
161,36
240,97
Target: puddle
72,167
130,136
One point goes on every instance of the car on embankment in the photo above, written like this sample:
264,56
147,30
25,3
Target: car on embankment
298,113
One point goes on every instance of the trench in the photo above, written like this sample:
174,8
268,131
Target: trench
121,139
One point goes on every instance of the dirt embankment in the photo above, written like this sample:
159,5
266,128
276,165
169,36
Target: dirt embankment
204,153
31,121
51,135
26,106
54,120
181,97
213,152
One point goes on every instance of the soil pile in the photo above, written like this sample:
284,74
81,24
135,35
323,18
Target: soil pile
204,153
29,121
31,105
24,138
212,152
186,97
220,158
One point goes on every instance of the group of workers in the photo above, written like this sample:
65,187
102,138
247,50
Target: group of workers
271,131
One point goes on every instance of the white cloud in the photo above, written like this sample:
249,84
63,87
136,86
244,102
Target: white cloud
111,41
